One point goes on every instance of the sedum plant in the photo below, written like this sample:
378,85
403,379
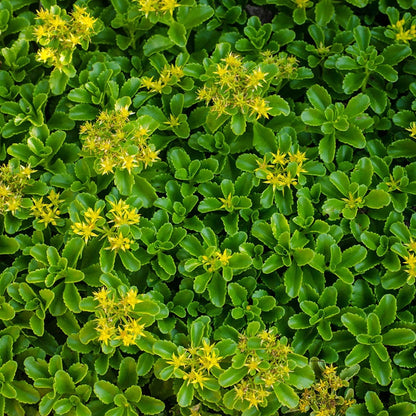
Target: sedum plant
207,207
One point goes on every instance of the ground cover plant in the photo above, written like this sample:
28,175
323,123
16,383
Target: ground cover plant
207,207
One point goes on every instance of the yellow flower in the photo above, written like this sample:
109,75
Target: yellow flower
106,333
131,298
126,336
210,360
298,157
254,399
85,230
330,370
227,202
411,246
128,161
279,158
81,17
233,61
256,78
13,203
148,6
44,54
102,296
301,3
27,171
412,129
263,165
180,360
274,179
352,202
173,121
107,165
259,107
92,215
149,156
168,5
223,257
253,363
135,328
119,242
410,260
195,377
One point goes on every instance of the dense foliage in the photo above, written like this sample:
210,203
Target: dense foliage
207,207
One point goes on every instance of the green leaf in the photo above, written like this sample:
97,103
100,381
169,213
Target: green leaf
353,255
217,290
124,181
319,97
402,148
144,191
193,16
353,136
156,43
353,81
382,370
237,293
185,394
264,139
357,105
327,148
127,373
301,377
238,124
8,245
177,34
293,278
355,323
129,260
286,395
58,81
324,11
377,199
26,393
373,403
72,297
313,117
232,376
358,353
399,336
63,383
105,391
395,53
386,310
83,112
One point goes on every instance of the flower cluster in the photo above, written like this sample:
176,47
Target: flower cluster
94,224
13,179
116,317
268,365
194,364
170,75
412,130
302,3
281,170
286,65
59,34
410,261
114,144
238,86
159,7
47,212
322,397
402,34
215,260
